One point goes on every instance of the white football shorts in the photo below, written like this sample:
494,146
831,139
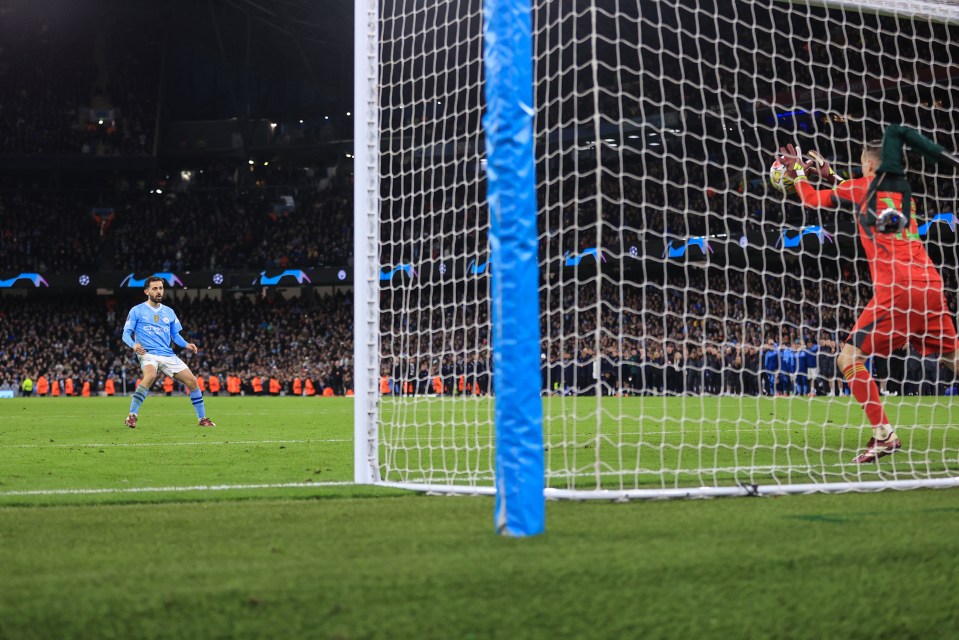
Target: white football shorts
170,365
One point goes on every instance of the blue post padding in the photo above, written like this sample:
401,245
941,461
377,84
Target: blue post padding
511,175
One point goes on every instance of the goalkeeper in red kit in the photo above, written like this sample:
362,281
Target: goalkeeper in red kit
908,305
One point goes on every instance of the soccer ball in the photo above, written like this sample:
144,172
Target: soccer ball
778,178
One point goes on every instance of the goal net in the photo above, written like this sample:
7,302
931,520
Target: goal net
690,313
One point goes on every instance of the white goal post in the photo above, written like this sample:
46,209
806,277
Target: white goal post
689,313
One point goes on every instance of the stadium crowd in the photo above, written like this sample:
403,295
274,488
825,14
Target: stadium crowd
669,329
693,331
688,336
78,344
193,230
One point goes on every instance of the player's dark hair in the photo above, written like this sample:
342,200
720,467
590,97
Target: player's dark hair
151,280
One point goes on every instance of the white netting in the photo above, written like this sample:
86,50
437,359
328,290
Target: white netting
668,262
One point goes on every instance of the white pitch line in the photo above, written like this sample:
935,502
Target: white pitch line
220,487
165,444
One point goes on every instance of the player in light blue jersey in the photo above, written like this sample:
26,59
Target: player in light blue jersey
149,329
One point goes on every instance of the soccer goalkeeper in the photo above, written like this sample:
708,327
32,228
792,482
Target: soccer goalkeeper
908,303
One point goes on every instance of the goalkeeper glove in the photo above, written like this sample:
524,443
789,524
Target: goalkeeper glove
791,158
821,166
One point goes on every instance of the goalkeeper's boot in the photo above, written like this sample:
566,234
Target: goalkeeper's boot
876,449
205,422
131,421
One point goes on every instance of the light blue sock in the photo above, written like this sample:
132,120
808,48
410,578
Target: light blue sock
138,397
196,397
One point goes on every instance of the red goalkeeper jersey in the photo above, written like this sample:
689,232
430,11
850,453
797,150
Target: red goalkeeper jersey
896,260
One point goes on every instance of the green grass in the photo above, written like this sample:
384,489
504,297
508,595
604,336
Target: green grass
71,444
326,559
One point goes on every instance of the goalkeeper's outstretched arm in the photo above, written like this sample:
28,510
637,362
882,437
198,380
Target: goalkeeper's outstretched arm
817,198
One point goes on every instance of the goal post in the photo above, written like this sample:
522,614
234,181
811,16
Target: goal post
513,239
685,314
366,228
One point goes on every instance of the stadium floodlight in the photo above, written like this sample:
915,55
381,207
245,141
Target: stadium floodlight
667,261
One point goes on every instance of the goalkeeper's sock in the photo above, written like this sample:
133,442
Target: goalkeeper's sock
866,392
138,397
882,432
196,397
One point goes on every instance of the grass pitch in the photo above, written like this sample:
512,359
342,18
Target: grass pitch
252,530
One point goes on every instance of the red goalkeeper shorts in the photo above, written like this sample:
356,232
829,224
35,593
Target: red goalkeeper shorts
918,316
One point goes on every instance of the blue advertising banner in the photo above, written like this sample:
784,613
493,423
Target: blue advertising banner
226,279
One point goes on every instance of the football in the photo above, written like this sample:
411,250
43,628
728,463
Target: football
778,178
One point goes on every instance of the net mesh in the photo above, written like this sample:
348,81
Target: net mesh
690,312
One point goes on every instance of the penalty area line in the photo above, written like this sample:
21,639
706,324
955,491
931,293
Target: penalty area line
213,487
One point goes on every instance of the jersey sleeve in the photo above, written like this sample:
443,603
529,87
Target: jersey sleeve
846,191
129,327
851,191
175,329
175,326
813,197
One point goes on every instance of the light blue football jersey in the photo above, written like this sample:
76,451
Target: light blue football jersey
153,328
